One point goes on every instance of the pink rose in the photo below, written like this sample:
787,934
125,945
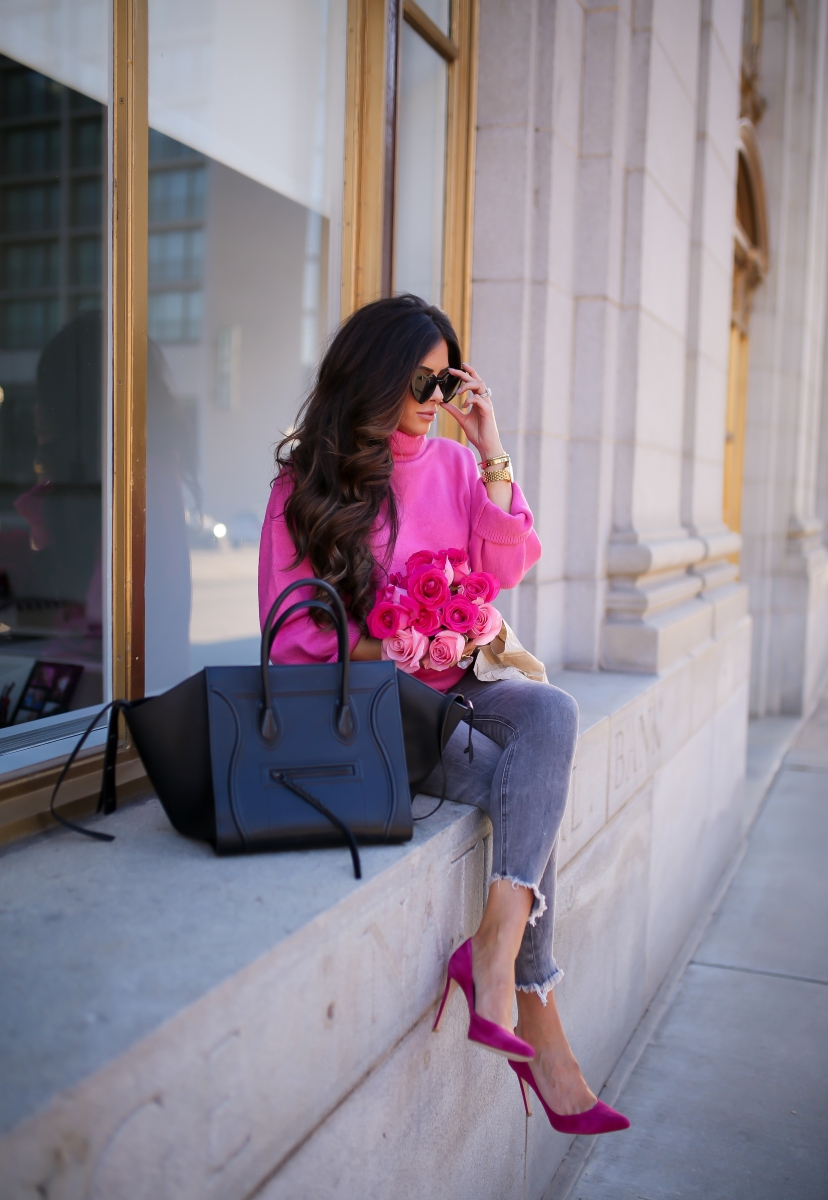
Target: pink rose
487,625
423,558
405,648
428,587
428,621
445,651
441,560
460,614
386,619
480,585
460,562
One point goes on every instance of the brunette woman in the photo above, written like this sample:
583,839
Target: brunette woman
361,487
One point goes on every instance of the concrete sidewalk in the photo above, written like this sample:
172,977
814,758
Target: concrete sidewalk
730,1097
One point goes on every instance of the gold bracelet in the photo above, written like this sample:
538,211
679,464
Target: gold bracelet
497,476
494,462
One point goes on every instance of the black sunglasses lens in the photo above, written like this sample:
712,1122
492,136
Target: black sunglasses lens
448,386
423,385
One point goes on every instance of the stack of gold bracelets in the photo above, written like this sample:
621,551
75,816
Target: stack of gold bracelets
496,470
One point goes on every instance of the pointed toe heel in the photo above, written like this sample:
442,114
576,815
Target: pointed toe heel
486,1033
598,1119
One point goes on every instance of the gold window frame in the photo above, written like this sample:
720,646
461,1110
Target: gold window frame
367,257
370,150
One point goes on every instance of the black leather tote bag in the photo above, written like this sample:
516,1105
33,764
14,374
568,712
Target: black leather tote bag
429,719
274,757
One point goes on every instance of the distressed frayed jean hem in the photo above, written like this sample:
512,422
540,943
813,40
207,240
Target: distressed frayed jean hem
542,989
538,904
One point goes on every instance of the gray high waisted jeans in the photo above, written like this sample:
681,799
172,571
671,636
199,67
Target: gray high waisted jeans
524,743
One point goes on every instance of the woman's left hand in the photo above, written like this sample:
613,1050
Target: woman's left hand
475,416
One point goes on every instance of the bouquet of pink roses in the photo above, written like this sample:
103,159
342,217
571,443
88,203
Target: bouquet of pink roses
434,614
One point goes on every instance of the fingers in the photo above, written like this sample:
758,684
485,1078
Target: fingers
472,383
478,399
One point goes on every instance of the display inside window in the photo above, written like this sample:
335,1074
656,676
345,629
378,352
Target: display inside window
52,190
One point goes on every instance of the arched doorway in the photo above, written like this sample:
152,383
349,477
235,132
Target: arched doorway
750,265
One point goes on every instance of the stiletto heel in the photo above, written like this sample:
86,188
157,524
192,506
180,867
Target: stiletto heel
451,984
598,1119
486,1033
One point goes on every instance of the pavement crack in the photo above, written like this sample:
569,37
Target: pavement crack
696,962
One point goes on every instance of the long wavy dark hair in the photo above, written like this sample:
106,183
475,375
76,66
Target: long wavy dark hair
339,456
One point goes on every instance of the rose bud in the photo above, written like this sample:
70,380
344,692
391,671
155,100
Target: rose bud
423,558
428,587
428,621
386,619
460,614
481,585
460,563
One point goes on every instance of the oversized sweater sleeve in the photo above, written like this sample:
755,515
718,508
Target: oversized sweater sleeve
504,543
300,640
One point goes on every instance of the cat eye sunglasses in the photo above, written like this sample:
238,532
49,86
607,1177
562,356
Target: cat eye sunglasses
423,384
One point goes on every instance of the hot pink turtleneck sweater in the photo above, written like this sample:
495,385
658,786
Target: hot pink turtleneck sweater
442,503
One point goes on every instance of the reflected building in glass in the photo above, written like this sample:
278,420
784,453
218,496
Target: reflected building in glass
52,184
243,268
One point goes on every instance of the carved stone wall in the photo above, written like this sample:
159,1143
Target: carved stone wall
602,287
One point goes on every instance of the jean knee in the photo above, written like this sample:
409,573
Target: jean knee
552,711
568,712
561,710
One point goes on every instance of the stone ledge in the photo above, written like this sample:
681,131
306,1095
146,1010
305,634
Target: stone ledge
162,971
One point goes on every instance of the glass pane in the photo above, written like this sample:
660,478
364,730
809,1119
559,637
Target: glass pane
421,169
247,105
52,187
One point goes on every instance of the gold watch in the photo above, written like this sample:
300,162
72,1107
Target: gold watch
499,476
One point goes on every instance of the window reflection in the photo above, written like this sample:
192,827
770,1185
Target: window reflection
52,172
245,184
421,168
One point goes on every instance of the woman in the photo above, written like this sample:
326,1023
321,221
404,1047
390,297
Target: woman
361,488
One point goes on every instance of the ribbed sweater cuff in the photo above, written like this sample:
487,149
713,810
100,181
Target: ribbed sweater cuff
505,529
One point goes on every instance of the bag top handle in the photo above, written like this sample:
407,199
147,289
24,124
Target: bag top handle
272,625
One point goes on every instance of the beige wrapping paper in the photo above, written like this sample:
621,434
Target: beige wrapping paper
505,658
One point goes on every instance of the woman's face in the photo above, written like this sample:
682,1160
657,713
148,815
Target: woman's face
417,418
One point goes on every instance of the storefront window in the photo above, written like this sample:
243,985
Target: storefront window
247,116
53,173
421,161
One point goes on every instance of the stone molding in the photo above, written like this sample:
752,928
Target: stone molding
657,600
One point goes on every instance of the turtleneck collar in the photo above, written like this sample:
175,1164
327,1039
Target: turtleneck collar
405,447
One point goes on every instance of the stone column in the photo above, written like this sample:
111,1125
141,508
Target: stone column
709,311
784,559
674,324
604,89
525,203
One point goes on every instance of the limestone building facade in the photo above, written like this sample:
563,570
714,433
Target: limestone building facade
611,266
622,207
